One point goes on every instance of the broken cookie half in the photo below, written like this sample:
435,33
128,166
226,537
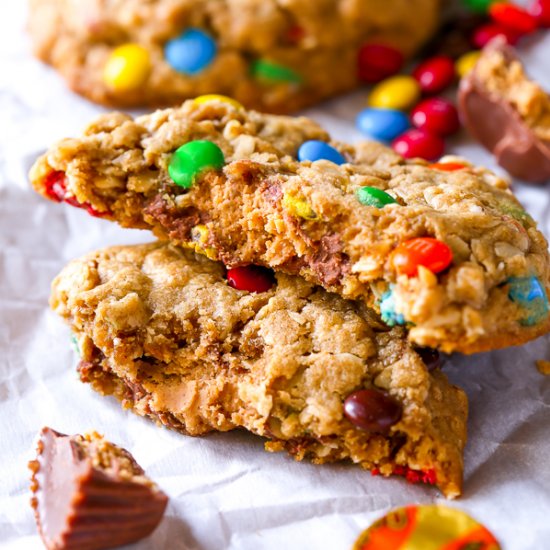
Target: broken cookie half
89,494
176,338
448,253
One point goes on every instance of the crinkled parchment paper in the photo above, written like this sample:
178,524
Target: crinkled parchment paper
225,491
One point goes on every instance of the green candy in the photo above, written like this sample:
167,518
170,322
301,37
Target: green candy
192,159
479,5
371,196
269,71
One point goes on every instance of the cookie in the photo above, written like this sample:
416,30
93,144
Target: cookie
271,55
508,113
176,338
444,249
89,494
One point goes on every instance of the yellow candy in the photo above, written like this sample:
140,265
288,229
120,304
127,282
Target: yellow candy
217,97
127,68
465,63
398,92
199,236
299,207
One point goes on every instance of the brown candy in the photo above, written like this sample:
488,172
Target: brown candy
91,497
431,358
372,410
498,126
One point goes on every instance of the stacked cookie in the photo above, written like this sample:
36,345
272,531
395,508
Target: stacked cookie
301,287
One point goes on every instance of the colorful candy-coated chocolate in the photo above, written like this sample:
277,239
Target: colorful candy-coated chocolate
207,98
192,159
319,150
191,52
372,196
435,74
55,186
416,143
540,9
127,68
428,252
465,63
273,73
513,17
378,61
372,410
299,207
448,166
531,295
484,34
398,93
436,115
382,124
295,34
252,278
479,5
431,358
387,310
427,526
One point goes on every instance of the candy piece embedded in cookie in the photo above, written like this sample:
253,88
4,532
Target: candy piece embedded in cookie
89,494
270,55
433,247
164,331
508,113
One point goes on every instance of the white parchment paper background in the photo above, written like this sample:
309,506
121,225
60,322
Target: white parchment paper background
226,492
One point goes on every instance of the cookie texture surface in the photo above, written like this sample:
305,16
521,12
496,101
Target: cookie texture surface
508,112
160,328
263,206
274,55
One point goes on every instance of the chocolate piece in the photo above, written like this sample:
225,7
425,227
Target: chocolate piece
372,410
491,114
89,494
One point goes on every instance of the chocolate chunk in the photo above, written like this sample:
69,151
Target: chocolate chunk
431,358
89,494
372,410
498,125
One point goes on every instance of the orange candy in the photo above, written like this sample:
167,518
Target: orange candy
428,252
447,166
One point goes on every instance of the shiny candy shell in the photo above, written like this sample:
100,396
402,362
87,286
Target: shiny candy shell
466,62
419,143
513,17
382,124
530,294
484,34
271,72
428,526
192,52
435,74
428,252
313,150
378,61
192,159
372,410
387,310
397,92
479,5
252,278
372,196
207,98
540,9
127,68
436,115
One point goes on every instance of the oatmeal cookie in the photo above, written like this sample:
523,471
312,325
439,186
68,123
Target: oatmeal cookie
175,338
274,55
508,113
444,249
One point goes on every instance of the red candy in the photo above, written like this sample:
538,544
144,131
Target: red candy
448,166
55,186
377,62
428,252
412,476
436,115
252,278
513,17
540,10
435,74
295,34
486,33
419,143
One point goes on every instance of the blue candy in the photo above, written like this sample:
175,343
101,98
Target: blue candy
382,124
319,150
387,310
530,294
191,52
